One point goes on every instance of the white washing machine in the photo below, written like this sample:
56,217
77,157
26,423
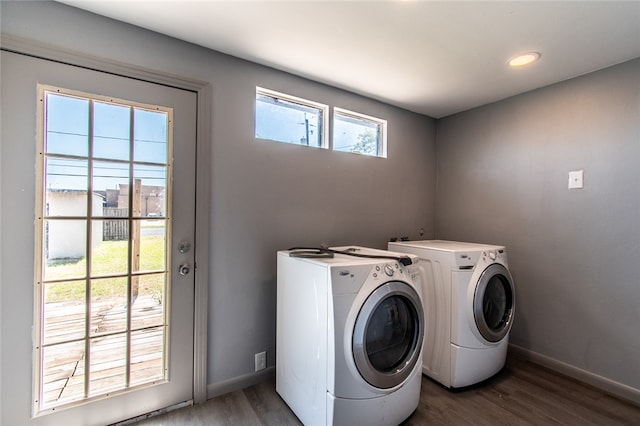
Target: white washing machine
349,336
469,301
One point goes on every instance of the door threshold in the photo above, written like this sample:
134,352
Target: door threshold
154,413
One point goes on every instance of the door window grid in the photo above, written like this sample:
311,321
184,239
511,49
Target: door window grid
102,322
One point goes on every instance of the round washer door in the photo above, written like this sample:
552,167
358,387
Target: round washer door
493,302
388,333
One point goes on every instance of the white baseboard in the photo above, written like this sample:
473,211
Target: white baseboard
607,385
241,382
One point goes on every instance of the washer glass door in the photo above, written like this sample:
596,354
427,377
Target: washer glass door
388,335
493,303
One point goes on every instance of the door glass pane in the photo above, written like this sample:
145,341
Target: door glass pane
102,271
148,302
111,131
110,239
111,183
66,187
108,305
63,377
67,129
108,366
150,136
65,248
149,185
150,256
64,311
391,333
146,363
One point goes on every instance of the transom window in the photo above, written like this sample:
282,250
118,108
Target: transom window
285,118
359,133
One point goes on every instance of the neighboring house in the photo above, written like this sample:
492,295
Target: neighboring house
152,201
65,239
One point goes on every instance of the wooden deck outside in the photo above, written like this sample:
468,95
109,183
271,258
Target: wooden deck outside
64,364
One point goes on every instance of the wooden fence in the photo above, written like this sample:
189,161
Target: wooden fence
115,230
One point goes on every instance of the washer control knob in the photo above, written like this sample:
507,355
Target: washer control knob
492,255
388,270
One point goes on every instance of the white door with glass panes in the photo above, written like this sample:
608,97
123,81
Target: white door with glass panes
98,228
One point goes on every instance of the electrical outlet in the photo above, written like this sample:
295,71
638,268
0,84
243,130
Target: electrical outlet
261,361
576,179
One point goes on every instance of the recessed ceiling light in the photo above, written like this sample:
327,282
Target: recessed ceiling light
524,59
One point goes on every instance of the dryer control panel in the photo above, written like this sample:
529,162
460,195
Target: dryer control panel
494,255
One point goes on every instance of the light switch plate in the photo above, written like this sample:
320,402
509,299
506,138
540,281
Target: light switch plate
576,179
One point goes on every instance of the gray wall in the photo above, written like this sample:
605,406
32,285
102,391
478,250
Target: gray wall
501,178
265,196
502,175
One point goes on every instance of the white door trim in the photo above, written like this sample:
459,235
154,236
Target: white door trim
203,149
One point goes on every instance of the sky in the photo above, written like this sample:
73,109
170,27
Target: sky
68,120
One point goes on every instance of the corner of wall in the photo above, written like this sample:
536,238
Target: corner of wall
606,385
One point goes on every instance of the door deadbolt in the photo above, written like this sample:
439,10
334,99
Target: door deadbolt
184,269
184,247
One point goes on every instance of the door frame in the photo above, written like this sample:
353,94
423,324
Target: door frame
203,91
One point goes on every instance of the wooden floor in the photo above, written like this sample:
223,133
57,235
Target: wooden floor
521,394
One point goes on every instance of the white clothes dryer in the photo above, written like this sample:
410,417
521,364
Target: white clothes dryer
349,336
469,300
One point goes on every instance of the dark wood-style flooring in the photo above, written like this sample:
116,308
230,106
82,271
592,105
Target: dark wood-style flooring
523,393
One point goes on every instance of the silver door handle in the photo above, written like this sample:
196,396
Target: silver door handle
184,269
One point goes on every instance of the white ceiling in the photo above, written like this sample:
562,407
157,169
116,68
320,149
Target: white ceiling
433,57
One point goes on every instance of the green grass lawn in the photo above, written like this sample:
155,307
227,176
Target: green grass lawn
108,258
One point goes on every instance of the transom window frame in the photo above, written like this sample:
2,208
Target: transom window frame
327,133
381,124
324,130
